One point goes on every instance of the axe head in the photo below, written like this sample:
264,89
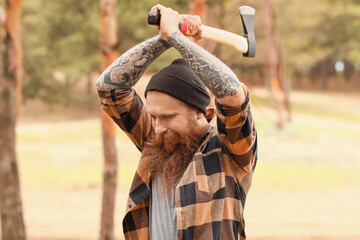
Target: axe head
247,17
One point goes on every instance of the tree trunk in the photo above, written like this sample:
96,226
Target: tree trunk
272,39
12,222
198,7
284,87
323,74
108,41
89,85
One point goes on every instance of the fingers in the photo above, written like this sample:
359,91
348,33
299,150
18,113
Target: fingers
196,37
193,23
169,22
163,9
157,6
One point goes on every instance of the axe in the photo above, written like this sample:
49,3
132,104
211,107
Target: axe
244,44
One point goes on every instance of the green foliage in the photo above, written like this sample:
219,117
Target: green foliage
315,30
62,36
133,27
58,36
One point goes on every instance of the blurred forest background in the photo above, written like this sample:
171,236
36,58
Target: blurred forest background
61,43
304,87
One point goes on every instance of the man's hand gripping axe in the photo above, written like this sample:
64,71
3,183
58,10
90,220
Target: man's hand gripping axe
244,44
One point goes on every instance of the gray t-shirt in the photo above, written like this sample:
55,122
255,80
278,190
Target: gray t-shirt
162,213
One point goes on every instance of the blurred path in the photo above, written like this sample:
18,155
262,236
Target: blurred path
74,213
279,214
66,213
306,186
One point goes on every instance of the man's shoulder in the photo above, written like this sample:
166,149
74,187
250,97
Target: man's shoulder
212,141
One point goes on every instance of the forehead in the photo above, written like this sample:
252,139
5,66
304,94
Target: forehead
159,102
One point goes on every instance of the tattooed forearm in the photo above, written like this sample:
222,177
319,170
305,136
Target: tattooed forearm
128,68
215,75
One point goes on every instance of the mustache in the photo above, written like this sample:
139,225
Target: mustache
169,141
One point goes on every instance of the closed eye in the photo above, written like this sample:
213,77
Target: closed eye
168,116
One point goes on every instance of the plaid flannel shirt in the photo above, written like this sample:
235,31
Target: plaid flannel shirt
210,196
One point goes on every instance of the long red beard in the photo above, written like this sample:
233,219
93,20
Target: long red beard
169,155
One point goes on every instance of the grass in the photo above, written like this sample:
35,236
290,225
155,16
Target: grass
305,176
311,109
325,113
301,171
69,153
317,150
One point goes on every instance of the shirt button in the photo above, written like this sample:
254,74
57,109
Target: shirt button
129,205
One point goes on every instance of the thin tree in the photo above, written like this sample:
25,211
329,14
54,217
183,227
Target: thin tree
275,64
198,7
108,43
12,222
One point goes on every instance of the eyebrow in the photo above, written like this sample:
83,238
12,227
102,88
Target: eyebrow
166,114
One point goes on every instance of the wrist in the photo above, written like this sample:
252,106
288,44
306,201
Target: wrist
172,33
176,39
165,44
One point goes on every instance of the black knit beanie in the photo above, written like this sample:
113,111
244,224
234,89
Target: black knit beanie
180,81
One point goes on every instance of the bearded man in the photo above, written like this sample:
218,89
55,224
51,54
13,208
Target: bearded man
192,179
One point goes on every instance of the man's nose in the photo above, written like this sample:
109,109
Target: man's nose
159,127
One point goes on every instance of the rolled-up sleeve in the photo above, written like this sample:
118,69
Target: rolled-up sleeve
127,110
237,130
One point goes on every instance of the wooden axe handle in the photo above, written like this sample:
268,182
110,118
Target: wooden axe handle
233,40
239,43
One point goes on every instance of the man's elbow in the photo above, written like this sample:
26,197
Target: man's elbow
98,84
234,100
101,85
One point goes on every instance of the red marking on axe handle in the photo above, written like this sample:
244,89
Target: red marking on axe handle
183,26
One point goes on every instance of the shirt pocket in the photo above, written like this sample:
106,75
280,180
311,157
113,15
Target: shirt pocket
209,174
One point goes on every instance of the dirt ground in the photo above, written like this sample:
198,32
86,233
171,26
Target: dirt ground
305,207
74,213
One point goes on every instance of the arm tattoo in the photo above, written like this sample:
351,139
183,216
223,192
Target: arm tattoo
213,73
129,67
